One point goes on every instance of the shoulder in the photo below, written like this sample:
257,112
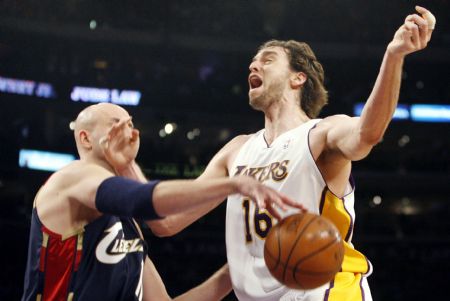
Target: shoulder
332,124
80,169
233,147
331,121
230,150
221,162
322,135
237,142
75,173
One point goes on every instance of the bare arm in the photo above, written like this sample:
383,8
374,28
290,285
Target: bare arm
177,196
153,286
214,288
355,137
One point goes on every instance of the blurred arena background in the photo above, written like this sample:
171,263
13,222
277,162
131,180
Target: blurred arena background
180,68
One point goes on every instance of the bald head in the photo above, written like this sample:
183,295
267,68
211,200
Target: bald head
95,117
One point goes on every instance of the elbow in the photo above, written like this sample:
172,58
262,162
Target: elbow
363,147
372,140
162,234
372,133
371,137
162,228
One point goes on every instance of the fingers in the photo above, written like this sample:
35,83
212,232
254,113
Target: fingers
288,201
273,211
265,197
428,16
119,126
134,135
114,131
104,142
274,202
411,34
418,26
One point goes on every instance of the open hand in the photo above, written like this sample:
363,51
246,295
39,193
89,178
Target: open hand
121,144
266,197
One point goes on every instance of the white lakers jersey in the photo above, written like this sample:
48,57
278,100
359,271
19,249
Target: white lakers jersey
287,166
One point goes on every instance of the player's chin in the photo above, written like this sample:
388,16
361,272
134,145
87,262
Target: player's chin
255,92
255,102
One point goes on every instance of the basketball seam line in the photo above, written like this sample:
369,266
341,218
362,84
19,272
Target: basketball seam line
295,243
317,251
311,255
266,250
279,247
301,271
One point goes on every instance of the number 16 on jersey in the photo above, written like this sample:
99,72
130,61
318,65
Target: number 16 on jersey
257,222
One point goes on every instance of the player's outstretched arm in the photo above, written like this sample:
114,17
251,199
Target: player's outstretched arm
99,189
214,288
355,137
171,197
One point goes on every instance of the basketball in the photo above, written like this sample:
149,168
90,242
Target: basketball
304,251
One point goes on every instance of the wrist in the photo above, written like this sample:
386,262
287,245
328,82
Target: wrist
126,170
393,58
393,53
235,184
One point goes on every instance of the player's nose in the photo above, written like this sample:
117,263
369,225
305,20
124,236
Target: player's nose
254,66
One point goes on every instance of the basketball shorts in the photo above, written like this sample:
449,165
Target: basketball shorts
345,287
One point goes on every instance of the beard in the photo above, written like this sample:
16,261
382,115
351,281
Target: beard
270,95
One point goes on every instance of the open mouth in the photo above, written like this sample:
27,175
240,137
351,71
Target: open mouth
254,81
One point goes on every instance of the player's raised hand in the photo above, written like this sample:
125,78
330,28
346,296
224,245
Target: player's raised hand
121,144
414,34
266,197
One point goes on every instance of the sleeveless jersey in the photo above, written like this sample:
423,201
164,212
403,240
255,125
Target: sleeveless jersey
287,166
102,261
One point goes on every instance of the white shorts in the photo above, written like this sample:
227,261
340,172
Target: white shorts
357,290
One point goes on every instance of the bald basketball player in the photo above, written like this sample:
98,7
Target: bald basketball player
84,241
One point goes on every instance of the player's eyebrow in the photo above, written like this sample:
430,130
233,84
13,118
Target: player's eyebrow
264,53
115,119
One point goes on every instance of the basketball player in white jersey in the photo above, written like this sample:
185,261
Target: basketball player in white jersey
306,158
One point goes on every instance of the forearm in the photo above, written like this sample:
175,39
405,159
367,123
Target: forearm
177,196
215,288
381,104
173,224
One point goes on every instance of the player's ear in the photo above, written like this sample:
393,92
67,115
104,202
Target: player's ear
298,79
85,139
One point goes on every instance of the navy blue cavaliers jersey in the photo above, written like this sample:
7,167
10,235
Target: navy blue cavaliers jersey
102,261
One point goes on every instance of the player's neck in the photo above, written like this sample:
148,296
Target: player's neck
281,120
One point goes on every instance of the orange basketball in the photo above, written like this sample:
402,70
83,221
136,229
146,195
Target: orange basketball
304,251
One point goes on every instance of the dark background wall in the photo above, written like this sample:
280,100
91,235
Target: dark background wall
190,60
